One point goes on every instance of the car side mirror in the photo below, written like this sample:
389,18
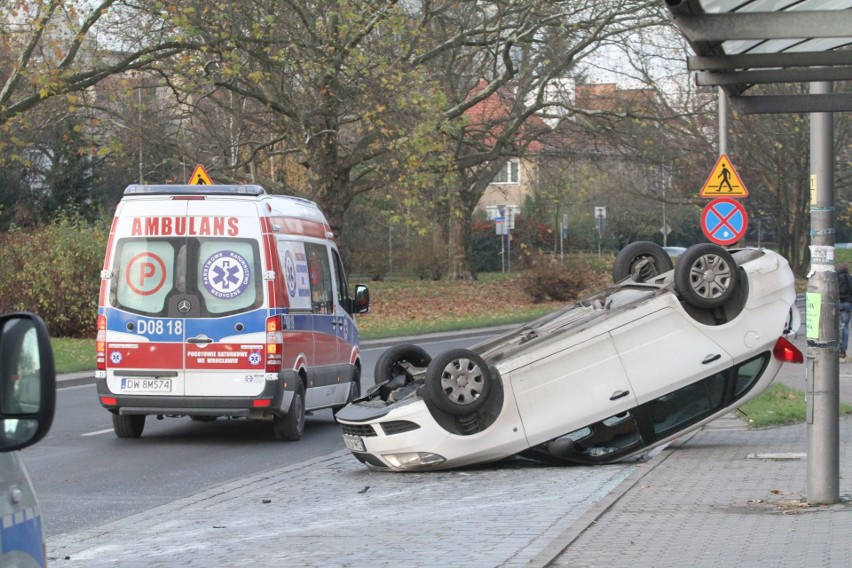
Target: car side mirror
362,299
27,381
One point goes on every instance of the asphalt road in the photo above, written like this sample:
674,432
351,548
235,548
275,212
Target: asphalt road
84,476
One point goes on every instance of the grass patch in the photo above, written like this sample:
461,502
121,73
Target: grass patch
71,355
778,406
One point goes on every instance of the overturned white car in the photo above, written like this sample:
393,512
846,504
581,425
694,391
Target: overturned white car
663,351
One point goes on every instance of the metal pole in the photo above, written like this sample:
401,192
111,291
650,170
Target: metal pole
508,248
502,251
722,110
823,373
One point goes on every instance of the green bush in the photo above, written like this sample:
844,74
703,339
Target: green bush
54,271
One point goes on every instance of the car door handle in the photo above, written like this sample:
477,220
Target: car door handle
619,394
710,358
200,340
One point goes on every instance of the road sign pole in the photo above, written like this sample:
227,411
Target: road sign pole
723,120
823,370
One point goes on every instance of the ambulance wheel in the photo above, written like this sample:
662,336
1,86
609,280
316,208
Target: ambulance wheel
291,426
641,261
128,426
458,382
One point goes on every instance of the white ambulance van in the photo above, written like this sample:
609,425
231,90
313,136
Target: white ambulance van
223,301
27,402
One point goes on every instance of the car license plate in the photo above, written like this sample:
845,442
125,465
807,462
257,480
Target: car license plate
354,443
146,385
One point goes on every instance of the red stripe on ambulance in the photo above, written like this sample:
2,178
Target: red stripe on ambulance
144,355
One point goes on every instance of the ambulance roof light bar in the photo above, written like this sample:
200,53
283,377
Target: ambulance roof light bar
136,189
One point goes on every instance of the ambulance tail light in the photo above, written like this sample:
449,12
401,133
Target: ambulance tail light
100,344
274,344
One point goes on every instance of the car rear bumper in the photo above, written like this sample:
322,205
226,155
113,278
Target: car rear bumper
275,392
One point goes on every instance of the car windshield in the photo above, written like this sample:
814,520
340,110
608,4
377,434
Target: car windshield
150,275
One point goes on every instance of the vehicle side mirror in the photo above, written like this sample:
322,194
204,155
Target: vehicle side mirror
362,299
27,381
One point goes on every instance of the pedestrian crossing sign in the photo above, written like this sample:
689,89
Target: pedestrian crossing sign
724,181
199,177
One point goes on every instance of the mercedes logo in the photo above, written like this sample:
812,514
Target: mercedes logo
184,306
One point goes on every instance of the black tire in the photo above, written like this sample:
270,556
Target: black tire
128,426
458,382
706,276
354,390
641,261
291,426
389,365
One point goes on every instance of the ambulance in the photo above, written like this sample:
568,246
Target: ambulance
224,301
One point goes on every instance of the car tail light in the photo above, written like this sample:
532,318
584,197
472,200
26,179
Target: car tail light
100,344
274,344
109,401
787,352
261,403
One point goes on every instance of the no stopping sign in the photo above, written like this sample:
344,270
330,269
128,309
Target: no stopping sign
724,221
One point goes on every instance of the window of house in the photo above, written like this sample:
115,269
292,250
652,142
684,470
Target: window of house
511,173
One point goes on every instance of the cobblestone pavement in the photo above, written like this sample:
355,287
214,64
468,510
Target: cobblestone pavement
332,511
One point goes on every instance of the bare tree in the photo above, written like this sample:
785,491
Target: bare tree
523,51
55,47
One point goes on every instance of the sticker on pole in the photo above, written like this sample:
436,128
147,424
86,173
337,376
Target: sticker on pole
724,181
724,221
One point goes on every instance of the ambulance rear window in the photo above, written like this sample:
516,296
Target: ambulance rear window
217,277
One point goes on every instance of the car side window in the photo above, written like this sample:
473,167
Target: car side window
748,373
688,405
342,286
319,275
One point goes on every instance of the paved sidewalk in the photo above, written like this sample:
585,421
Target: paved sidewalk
727,497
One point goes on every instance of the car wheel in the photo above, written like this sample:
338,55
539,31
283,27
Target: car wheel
458,382
391,362
354,390
641,261
128,426
706,276
290,426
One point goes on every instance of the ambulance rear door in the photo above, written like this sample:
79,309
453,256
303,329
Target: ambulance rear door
145,323
225,303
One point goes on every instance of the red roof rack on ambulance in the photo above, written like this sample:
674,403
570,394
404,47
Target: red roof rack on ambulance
137,189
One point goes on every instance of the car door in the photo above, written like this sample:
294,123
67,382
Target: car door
145,330
344,322
564,388
324,365
665,350
224,299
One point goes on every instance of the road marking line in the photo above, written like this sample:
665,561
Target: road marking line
108,430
